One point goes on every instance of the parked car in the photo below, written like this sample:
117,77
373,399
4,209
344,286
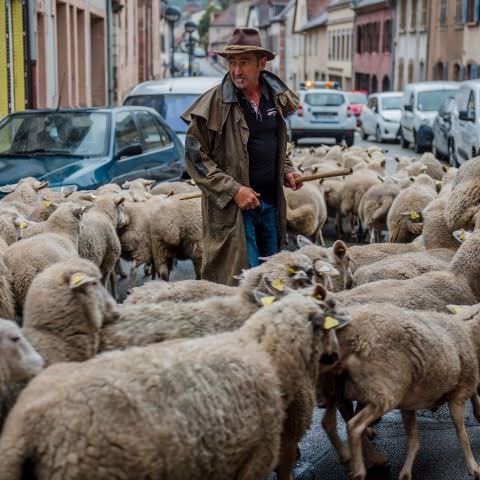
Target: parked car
322,113
87,147
358,99
381,116
442,128
171,97
465,138
421,102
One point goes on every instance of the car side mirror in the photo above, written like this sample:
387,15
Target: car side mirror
463,115
408,108
130,150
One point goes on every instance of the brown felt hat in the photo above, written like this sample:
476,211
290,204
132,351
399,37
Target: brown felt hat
245,40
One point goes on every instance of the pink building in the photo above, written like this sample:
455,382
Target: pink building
372,60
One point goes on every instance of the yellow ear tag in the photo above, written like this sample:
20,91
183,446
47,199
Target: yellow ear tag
147,195
330,323
192,181
93,197
455,309
23,225
414,215
76,279
278,285
461,235
268,300
46,203
291,271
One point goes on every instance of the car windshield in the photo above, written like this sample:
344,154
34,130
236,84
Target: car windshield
169,106
61,133
357,98
325,99
392,103
431,101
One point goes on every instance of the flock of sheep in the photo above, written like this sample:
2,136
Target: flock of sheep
196,380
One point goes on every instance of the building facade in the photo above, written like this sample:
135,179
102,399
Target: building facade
411,41
445,53
340,26
372,60
471,39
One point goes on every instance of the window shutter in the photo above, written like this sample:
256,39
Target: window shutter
476,11
465,11
474,71
445,71
462,73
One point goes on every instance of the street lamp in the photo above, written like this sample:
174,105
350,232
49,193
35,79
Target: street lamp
190,27
172,16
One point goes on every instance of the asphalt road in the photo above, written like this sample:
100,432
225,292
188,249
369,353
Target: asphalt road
440,456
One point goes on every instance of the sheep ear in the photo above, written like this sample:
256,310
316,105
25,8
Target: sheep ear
319,293
147,195
7,188
321,267
263,298
300,168
397,159
79,211
383,163
445,168
314,169
461,235
303,241
42,185
21,223
120,201
412,179
148,183
455,308
413,215
79,280
340,249
275,287
327,321
126,185
382,179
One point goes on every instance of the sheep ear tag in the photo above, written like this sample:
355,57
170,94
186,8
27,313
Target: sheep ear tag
268,300
78,279
46,203
147,195
192,181
292,271
414,216
23,225
455,309
330,322
278,285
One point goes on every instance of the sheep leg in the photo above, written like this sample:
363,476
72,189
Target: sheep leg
356,427
113,285
457,411
329,424
410,424
119,269
320,237
475,399
133,274
372,235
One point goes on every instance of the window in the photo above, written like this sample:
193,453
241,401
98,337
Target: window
154,135
424,15
413,17
359,39
387,36
403,14
470,11
400,74
410,71
459,12
443,13
471,106
126,132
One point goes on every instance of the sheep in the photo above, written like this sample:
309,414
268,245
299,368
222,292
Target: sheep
28,257
403,218
375,205
306,212
173,188
435,232
8,230
64,311
337,256
19,362
366,254
403,266
7,302
434,167
448,180
292,268
26,192
188,387
457,284
139,189
98,240
176,233
431,360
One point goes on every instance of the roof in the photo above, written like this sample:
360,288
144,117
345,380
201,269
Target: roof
319,21
226,18
185,85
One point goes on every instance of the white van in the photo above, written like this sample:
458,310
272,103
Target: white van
171,97
465,133
421,102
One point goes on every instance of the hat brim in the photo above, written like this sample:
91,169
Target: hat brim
239,49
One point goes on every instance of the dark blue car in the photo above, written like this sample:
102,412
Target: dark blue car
87,147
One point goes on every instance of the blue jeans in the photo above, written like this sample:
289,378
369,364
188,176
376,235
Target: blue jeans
261,231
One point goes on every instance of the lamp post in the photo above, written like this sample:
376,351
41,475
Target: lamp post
172,16
190,27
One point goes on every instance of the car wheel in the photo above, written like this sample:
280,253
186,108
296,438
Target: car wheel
363,134
350,140
452,156
378,135
403,142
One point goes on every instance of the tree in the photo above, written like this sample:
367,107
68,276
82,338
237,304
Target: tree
204,24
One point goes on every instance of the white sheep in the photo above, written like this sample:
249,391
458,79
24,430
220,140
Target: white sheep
188,388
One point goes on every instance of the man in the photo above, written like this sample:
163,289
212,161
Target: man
235,150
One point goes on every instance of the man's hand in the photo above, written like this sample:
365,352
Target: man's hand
290,181
246,198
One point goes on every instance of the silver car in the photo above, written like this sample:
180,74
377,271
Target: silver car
323,113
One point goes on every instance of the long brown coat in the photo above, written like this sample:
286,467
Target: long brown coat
216,158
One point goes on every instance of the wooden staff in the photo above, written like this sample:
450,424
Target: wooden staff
306,178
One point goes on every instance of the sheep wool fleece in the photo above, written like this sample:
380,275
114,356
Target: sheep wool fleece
216,157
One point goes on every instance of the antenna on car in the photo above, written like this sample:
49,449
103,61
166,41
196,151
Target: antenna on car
60,93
